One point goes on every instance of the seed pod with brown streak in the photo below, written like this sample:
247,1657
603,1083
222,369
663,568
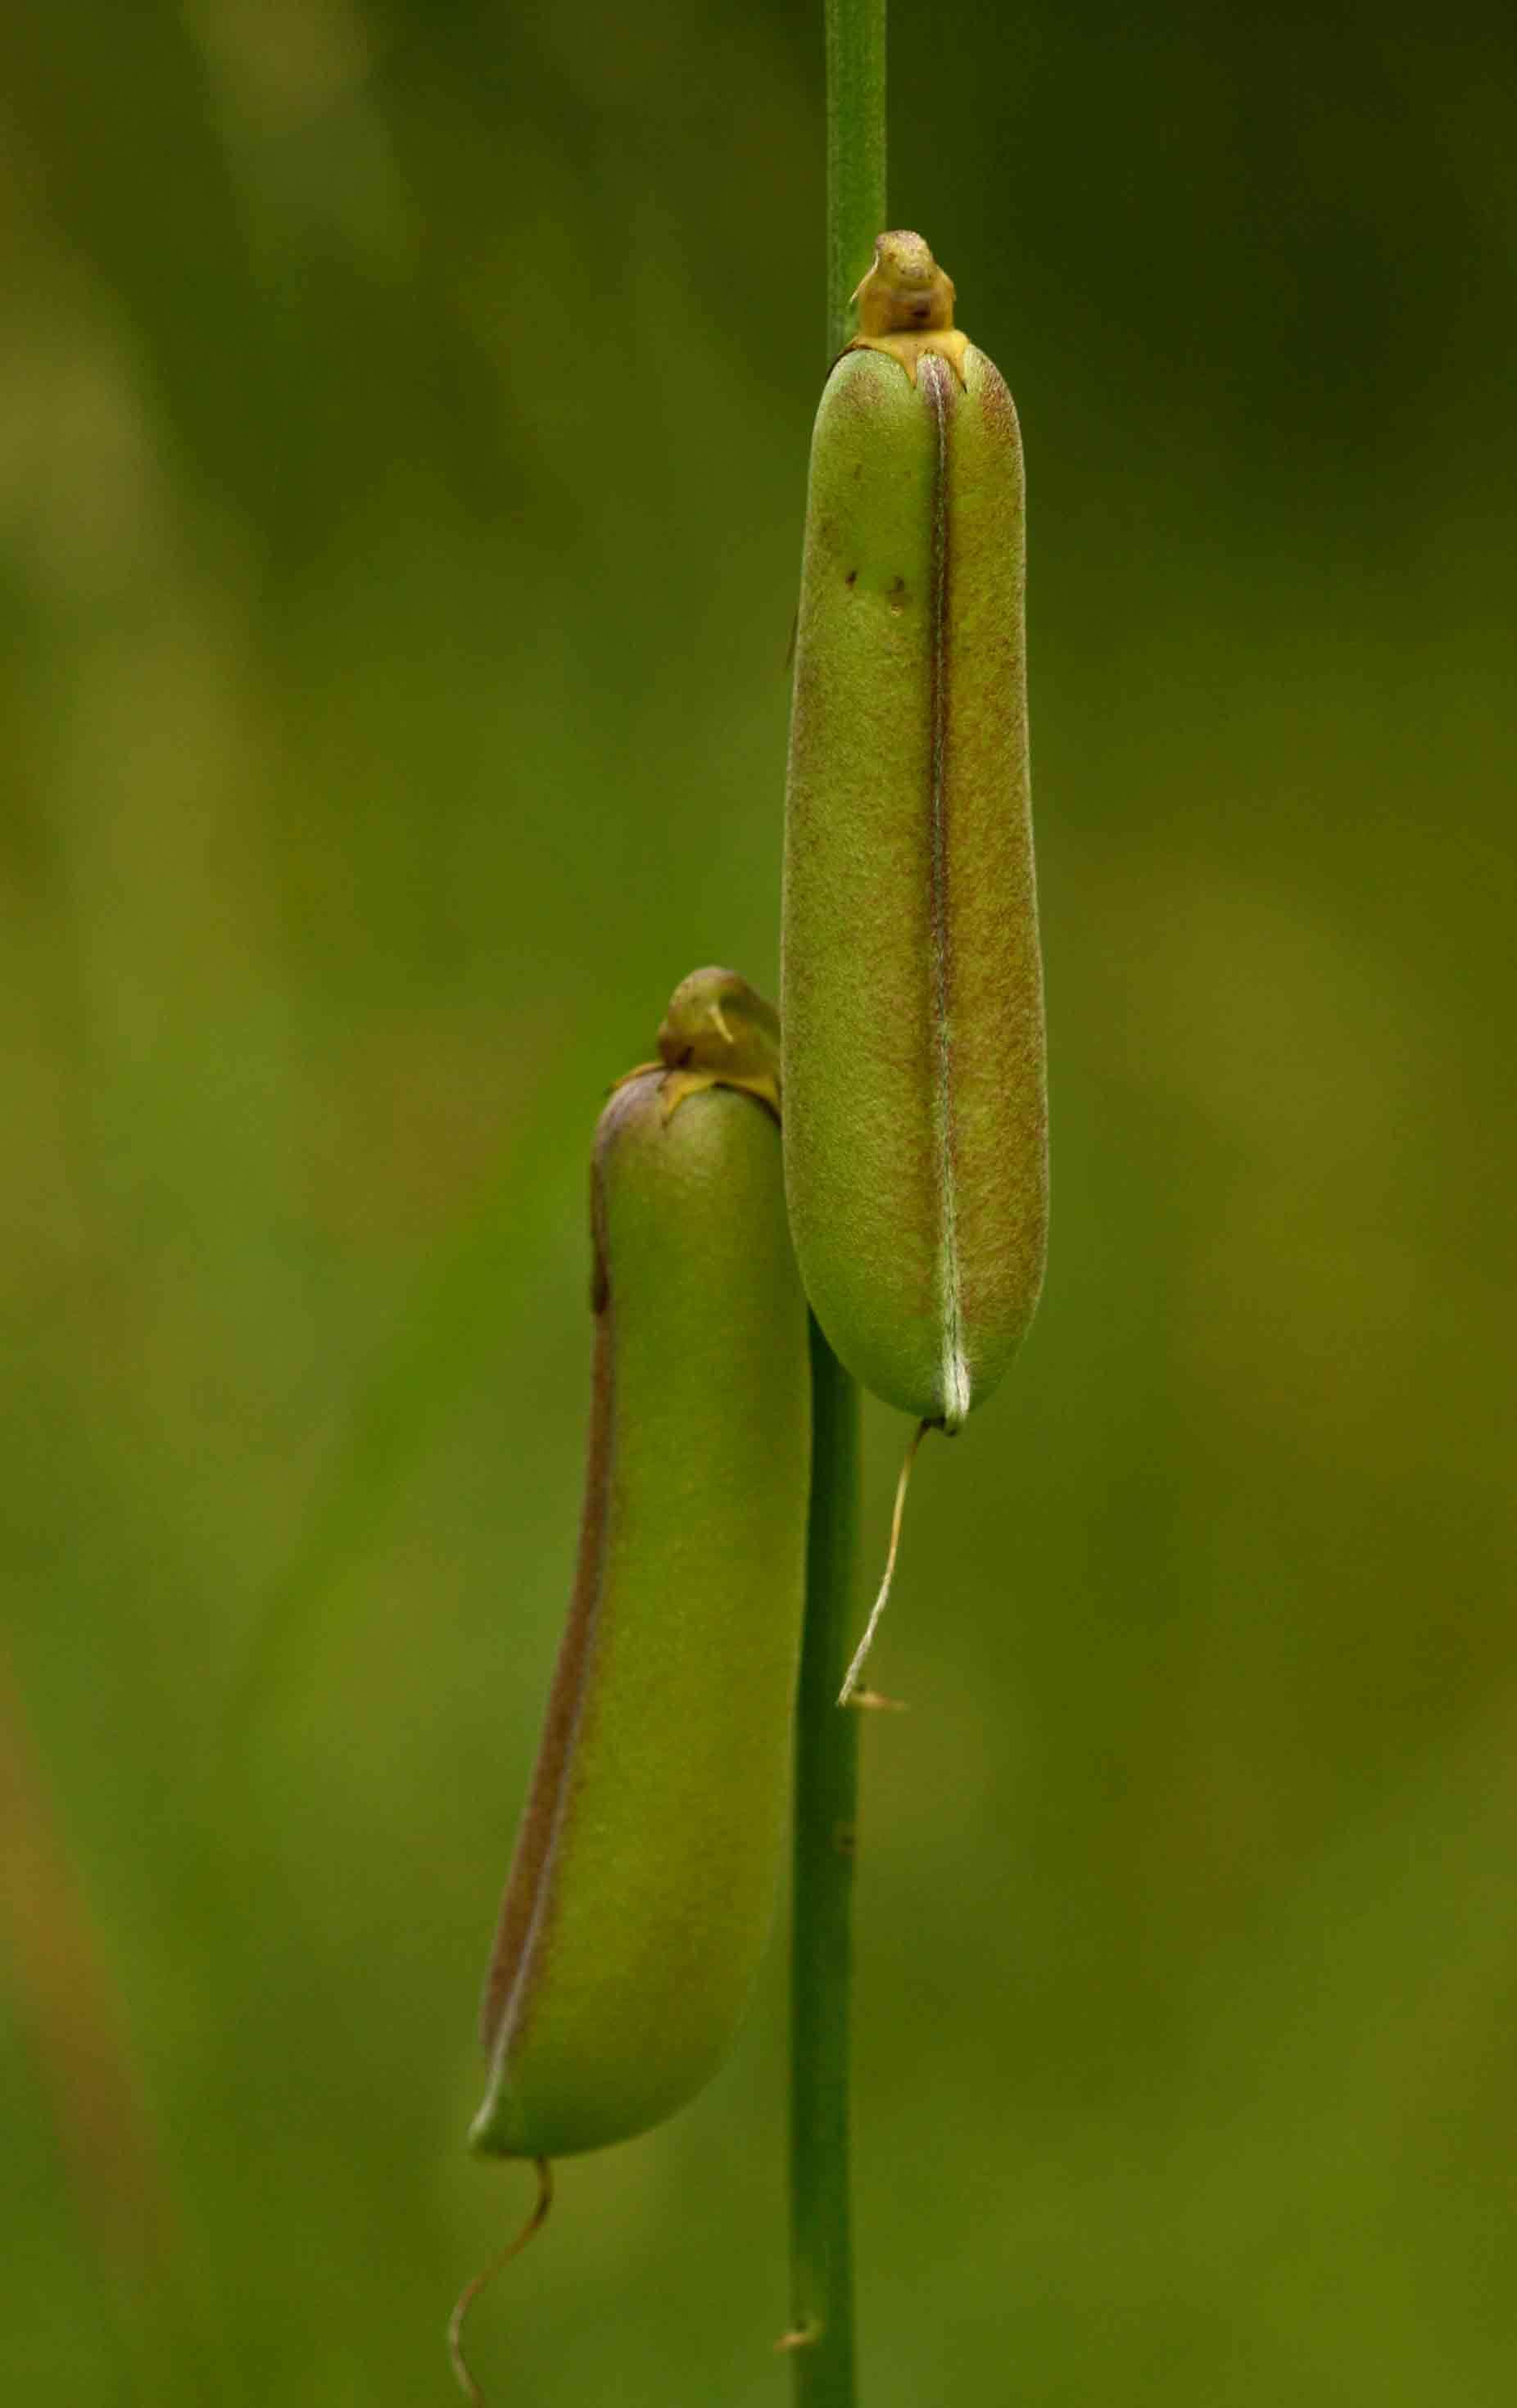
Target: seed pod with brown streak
643,1887
912,1008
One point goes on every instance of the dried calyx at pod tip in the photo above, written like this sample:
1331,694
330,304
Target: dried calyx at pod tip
643,1882
719,1031
915,1126
906,306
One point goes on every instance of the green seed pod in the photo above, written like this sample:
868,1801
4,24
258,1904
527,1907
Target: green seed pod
915,1133
643,1882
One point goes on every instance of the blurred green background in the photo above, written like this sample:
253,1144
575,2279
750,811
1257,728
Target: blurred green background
403,423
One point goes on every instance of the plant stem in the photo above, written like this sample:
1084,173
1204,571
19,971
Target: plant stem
855,152
826,1793
826,1734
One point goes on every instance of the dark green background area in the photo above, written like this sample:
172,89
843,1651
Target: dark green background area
403,424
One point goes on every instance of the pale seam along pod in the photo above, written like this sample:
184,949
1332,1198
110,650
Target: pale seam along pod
643,1882
915,1132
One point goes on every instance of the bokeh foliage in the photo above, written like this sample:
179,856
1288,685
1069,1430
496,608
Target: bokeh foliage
404,421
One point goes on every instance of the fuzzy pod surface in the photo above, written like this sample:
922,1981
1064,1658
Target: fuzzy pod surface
643,1887
915,1137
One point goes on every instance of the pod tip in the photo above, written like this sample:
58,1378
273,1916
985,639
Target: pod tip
906,306
957,1393
719,1032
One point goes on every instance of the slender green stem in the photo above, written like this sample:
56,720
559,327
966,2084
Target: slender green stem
855,152
826,1734
826,1795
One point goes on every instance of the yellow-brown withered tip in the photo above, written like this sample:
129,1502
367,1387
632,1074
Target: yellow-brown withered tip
719,1032
906,306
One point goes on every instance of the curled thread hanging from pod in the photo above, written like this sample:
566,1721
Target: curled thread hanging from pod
642,1887
915,1137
